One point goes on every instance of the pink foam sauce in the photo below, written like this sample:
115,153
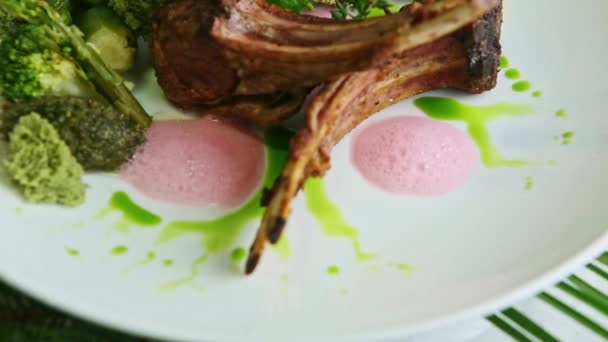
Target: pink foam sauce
416,155
203,162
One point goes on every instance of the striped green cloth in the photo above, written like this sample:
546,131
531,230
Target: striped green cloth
578,298
578,302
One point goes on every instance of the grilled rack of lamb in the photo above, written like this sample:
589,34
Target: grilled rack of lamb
253,60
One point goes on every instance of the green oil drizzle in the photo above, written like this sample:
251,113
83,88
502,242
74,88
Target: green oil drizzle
168,262
512,74
537,93
238,254
521,86
404,268
282,248
504,62
567,138
529,183
18,210
561,114
219,234
477,119
330,217
132,213
119,250
194,273
333,270
150,257
71,251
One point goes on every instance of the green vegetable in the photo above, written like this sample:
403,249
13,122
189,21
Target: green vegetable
113,40
359,9
100,137
30,70
42,165
7,22
93,2
55,36
139,15
63,7
293,5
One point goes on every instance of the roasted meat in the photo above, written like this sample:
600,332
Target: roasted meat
234,53
467,59
250,59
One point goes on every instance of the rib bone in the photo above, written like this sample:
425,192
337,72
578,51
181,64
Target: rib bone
466,60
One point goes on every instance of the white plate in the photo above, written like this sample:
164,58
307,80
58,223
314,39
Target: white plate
472,251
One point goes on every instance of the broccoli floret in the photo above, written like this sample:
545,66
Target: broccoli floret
139,15
41,164
7,22
100,137
114,41
51,33
29,70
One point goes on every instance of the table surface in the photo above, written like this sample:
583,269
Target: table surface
581,316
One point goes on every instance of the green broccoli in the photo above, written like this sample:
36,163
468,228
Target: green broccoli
114,41
7,22
139,15
30,71
100,137
41,164
48,38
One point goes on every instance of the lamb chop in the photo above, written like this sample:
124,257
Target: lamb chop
256,61
467,59
251,59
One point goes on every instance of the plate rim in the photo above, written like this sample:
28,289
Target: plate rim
498,302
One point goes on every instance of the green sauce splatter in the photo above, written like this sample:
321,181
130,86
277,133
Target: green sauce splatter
282,247
168,262
194,272
404,267
71,251
537,93
561,114
132,213
512,74
333,270
521,86
218,235
150,257
529,183
567,138
504,62
477,119
18,210
238,254
330,217
119,250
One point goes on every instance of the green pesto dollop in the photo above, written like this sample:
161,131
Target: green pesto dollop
41,164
